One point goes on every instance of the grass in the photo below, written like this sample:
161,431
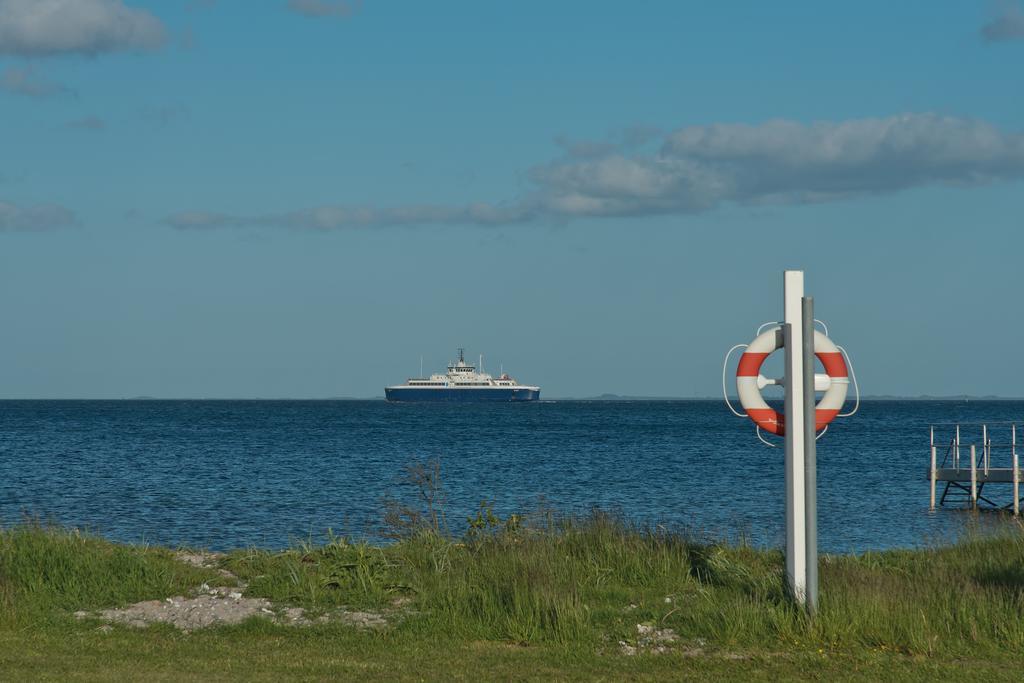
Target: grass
545,600
46,572
583,582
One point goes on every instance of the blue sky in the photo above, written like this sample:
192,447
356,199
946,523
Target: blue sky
299,199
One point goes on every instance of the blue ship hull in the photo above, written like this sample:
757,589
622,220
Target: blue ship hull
457,395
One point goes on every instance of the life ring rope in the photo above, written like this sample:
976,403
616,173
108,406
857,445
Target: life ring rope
780,323
765,441
856,387
725,393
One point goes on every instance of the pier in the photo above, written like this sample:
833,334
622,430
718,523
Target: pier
968,465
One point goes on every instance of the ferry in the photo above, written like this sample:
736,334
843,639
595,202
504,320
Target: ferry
462,384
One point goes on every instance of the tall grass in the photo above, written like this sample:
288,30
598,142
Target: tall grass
45,570
575,581
592,579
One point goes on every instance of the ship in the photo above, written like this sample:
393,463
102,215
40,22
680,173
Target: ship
463,383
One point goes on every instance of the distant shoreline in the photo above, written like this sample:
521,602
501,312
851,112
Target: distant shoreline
567,399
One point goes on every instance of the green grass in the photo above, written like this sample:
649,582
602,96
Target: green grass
513,601
46,571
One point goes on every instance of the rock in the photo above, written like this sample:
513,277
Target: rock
651,634
370,620
217,605
651,639
187,613
199,559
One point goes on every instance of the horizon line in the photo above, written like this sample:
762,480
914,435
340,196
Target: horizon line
599,397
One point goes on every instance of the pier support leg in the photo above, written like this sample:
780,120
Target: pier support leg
1016,474
956,449
974,480
933,477
985,448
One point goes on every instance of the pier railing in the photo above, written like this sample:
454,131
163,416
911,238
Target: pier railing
967,464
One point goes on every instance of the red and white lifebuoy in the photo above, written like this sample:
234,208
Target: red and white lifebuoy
749,389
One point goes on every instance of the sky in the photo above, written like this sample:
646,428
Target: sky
300,199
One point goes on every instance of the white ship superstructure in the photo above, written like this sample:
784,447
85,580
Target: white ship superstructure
463,382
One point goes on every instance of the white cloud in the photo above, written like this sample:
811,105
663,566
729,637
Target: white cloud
38,218
323,8
1009,25
25,81
700,168
338,217
35,28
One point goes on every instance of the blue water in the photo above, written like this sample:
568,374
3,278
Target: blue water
223,474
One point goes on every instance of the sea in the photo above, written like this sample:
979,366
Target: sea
227,474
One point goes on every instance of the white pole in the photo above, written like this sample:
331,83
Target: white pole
933,478
796,540
974,479
1016,473
931,444
956,448
984,447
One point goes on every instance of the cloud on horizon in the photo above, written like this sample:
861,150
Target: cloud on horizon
1009,25
701,168
38,218
40,28
323,8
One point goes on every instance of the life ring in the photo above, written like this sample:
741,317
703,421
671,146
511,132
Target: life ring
749,387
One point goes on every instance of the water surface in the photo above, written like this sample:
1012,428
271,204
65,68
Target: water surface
225,474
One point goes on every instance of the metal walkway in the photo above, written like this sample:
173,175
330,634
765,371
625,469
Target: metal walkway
965,477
